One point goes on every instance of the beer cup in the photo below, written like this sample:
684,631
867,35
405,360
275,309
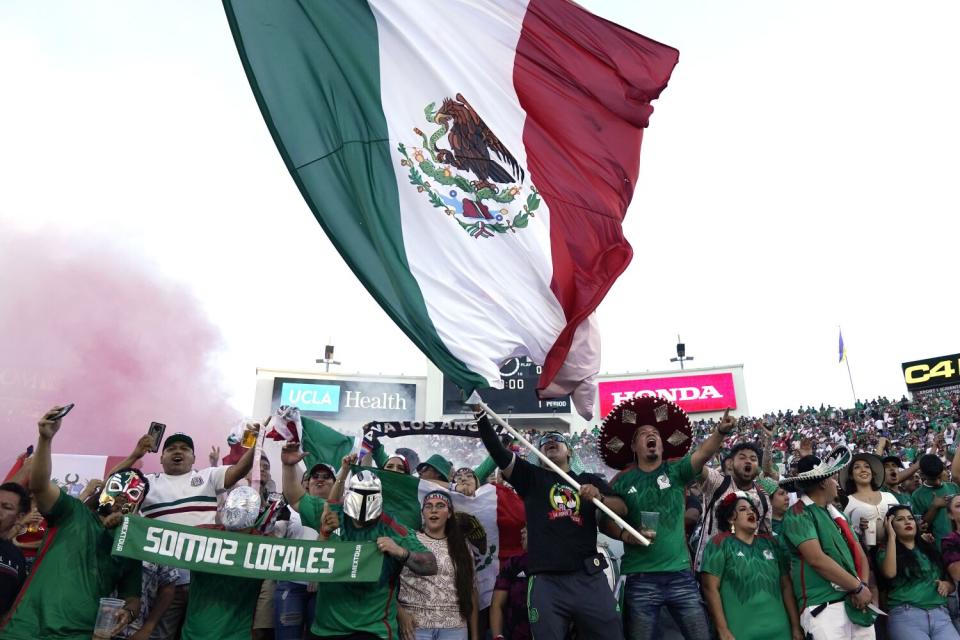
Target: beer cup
249,437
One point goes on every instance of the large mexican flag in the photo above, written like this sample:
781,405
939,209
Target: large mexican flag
471,161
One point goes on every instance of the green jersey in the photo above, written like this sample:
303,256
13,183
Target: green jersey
777,526
660,491
220,607
919,590
372,608
750,585
73,570
904,499
812,522
923,498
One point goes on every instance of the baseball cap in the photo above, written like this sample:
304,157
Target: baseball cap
179,437
322,465
897,460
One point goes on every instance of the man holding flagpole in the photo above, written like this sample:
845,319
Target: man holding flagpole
567,579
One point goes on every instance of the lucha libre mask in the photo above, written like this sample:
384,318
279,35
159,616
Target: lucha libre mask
363,499
127,488
240,509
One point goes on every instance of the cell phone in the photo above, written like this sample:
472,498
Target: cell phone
156,432
59,415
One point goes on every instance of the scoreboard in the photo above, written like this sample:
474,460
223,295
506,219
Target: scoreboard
519,393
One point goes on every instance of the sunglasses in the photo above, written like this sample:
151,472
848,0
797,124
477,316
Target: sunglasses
552,437
321,475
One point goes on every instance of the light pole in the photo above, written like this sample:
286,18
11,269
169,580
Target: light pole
328,357
681,353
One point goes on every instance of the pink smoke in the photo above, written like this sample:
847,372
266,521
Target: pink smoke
83,322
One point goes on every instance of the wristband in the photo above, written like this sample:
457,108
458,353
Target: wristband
406,557
620,537
858,589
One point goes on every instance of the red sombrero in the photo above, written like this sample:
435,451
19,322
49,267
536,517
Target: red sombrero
616,433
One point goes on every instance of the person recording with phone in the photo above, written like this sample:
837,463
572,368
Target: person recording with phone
79,554
184,495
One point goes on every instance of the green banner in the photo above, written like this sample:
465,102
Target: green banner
239,554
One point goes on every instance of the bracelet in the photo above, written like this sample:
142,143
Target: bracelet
858,589
406,557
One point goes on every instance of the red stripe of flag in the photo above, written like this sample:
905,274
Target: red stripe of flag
586,86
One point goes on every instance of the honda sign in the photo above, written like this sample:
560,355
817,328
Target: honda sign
694,394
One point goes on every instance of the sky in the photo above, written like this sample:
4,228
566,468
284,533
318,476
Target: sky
799,175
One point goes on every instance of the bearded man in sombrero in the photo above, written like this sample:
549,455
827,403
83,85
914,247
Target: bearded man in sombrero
827,564
650,438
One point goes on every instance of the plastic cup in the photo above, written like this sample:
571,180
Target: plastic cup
249,438
108,617
648,523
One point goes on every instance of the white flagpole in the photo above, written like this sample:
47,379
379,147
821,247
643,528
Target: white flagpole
548,462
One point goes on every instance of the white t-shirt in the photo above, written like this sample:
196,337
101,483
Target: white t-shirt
189,498
857,509
709,527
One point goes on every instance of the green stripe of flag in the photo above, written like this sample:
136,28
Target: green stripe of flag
401,500
314,69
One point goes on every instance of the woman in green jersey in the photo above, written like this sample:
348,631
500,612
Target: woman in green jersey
917,585
746,578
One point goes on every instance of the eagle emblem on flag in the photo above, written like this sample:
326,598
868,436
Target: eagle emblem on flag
464,169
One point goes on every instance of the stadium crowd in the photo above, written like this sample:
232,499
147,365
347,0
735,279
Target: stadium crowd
816,523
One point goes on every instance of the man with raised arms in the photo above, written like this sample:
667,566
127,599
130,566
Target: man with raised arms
74,568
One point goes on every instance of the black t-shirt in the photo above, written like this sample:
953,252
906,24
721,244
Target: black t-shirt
694,502
561,526
13,571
